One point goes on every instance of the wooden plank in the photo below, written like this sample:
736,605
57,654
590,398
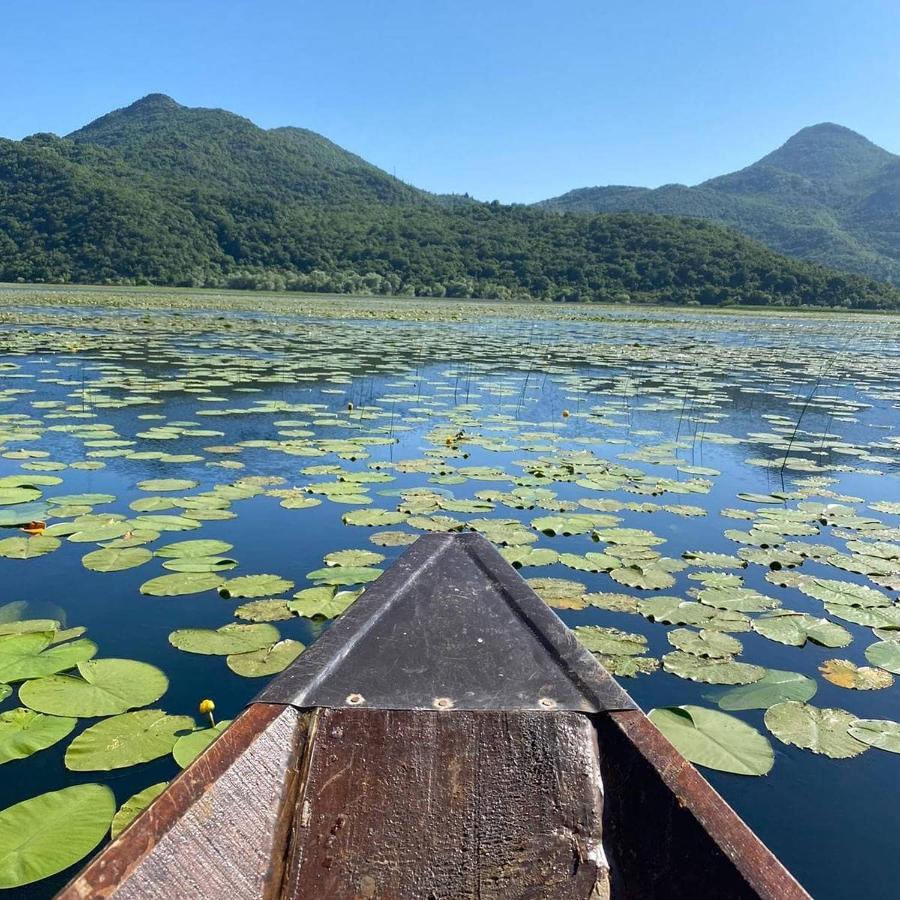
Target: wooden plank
669,834
456,804
220,830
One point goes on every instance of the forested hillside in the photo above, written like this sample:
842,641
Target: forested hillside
158,193
828,195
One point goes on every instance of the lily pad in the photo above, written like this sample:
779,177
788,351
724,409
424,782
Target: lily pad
321,602
884,654
344,575
713,644
103,687
881,733
822,730
184,549
24,731
224,641
30,655
28,548
775,686
611,641
266,661
847,674
112,559
126,740
711,671
250,586
190,746
134,806
716,740
180,583
48,833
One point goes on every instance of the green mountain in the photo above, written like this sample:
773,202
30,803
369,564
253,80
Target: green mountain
827,195
159,193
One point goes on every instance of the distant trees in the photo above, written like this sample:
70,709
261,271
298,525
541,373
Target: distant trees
84,213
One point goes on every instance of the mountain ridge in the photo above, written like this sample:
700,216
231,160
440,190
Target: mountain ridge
161,193
827,194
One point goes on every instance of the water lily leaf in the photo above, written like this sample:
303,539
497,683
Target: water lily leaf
166,523
134,806
22,515
264,611
82,499
519,557
737,598
674,611
353,558
126,740
613,602
392,538
715,740
611,641
114,559
775,686
188,549
373,517
881,733
344,575
590,562
24,731
30,655
629,536
711,671
713,644
822,730
28,548
180,583
795,629
190,746
249,586
103,687
579,523
649,577
48,833
200,564
560,593
228,639
628,666
166,484
884,654
845,593
847,674
10,496
266,661
321,602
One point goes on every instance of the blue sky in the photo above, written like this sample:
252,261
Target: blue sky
509,99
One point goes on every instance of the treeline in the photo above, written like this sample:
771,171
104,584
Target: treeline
75,212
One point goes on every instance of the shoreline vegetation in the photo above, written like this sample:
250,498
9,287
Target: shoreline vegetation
179,300
162,194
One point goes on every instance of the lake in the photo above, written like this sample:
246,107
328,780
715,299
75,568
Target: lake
619,456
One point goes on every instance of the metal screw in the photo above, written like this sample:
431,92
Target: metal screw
547,703
356,699
442,703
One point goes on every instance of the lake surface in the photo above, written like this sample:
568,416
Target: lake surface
677,426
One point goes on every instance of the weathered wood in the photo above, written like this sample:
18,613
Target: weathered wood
220,830
668,833
416,804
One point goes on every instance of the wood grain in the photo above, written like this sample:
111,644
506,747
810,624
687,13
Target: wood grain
420,804
220,830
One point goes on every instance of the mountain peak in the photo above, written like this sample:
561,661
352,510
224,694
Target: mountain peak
153,102
827,152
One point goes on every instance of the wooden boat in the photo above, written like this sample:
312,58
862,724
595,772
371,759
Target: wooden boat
447,737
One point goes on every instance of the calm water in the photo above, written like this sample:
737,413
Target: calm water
709,403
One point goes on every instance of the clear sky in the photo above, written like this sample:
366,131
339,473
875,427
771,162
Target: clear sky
509,99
